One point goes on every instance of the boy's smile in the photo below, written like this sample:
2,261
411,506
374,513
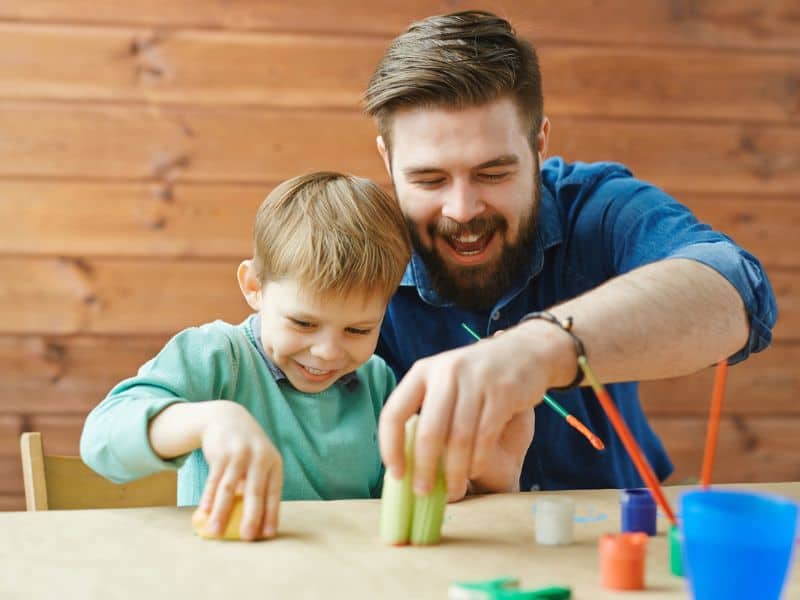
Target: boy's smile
314,339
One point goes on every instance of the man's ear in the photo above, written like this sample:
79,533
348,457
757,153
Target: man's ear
542,139
384,152
249,284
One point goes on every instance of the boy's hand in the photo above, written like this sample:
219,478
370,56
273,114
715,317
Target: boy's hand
240,454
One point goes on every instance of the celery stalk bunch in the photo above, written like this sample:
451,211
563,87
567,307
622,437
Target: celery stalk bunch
405,516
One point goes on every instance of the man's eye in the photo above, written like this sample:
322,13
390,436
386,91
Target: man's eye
493,176
429,182
358,331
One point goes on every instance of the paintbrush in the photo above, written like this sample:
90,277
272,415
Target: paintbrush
636,454
713,422
570,419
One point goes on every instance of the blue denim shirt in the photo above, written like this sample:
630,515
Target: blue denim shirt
596,222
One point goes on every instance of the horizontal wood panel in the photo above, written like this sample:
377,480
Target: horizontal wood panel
11,475
63,296
670,83
745,23
187,67
764,226
182,143
766,384
121,219
10,430
193,144
12,502
318,71
211,220
748,449
68,375
128,296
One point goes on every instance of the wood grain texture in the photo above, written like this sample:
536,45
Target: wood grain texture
54,375
302,70
194,144
130,296
748,448
763,385
716,23
100,219
139,138
66,296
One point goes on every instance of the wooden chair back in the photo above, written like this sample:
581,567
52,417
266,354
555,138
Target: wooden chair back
65,482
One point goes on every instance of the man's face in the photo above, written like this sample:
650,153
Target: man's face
467,183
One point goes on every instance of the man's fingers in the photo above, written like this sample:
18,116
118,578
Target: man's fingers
461,441
490,425
432,431
403,402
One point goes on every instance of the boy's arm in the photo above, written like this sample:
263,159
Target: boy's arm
197,364
237,451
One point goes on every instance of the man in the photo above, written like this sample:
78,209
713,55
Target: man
626,273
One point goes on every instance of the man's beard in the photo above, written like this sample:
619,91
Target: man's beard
478,287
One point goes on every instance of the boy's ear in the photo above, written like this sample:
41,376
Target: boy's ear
384,152
249,284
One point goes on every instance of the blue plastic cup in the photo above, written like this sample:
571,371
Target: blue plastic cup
637,510
737,544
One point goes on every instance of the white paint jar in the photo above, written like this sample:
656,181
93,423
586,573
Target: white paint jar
554,520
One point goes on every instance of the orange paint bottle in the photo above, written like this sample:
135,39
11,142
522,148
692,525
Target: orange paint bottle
622,557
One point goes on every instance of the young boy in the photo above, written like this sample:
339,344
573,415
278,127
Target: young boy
286,403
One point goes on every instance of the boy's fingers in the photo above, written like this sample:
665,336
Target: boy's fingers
403,402
224,497
254,490
215,472
273,502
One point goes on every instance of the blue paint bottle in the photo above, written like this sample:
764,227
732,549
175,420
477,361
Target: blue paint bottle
638,510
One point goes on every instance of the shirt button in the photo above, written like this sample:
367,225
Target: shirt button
496,315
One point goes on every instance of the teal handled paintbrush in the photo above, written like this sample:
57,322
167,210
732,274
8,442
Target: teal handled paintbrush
570,419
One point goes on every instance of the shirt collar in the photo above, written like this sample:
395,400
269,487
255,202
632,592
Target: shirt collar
349,381
548,234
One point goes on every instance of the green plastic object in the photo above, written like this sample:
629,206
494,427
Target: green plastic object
675,559
504,588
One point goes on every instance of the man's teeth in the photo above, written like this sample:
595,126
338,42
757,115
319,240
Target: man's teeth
467,238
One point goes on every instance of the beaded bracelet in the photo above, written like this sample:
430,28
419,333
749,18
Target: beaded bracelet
566,326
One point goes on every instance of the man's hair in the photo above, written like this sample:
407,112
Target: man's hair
331,232
456,61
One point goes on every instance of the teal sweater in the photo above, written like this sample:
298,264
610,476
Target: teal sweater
328,440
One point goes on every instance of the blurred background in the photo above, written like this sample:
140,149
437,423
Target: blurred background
138,138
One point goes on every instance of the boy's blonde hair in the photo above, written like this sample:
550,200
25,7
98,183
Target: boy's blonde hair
331,232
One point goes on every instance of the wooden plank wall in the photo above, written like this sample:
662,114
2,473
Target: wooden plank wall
137,139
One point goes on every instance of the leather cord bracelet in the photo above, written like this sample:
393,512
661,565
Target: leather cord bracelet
565,326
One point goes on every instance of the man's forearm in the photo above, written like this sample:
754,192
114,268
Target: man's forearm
666,319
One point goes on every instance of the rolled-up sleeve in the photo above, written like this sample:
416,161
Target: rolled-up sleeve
642,224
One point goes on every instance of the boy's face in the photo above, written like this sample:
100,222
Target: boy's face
467,183
317,340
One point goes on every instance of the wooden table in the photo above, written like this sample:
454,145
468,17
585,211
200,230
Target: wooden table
325,550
